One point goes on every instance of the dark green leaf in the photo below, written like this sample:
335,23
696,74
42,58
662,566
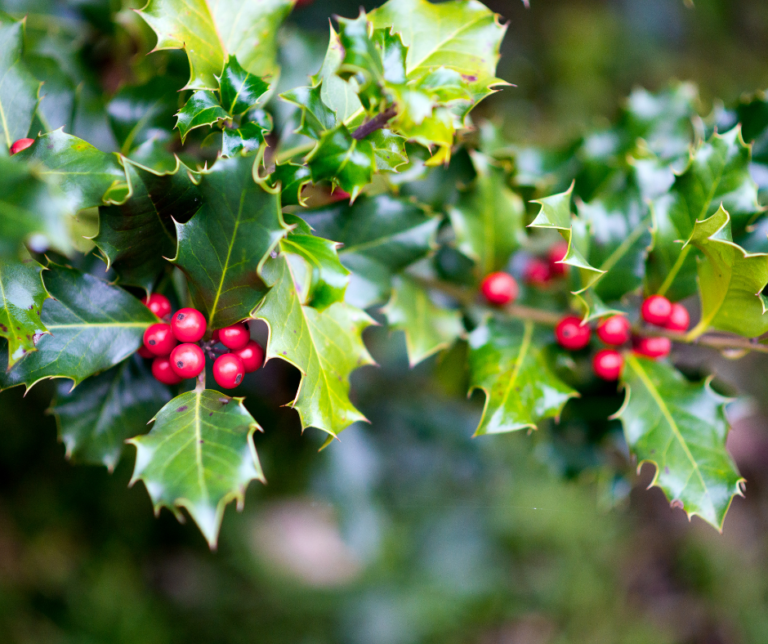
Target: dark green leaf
247,137
240,90
292,179
346,162
316,116
201,109
23,294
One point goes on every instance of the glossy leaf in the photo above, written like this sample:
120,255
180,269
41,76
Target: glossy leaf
488,218
346,162
23,293
240,90
731,280
199,456
681,428
325,346
93,326
428,327
223,247
507,362
316,116
201,109
96,418
388,149
319,277
248,136
291,178
209,33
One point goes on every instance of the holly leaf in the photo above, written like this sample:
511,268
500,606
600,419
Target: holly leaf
291,178
731,281
96,418
681,428
23,293
58,93
199,455
137,236
240,90
428,327
488,218
325,346
93,326
201,109
362,59
717,174
316,116
346,162
381,236
507,362
210,33
248,137
222,249
86,176
388,149
19,89
319,277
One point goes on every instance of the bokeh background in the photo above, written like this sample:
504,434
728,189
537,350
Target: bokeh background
408,530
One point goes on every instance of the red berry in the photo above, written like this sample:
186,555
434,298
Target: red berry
159,339
555,255
145,353
161,369
235,337
158,304
499,288
188,325
215,336
187,360
228,371
537,272
679,320
653,347
607,364
21,144
571,334
656,310
252,356
614,330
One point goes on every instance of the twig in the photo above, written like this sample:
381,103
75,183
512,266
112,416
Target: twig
376,123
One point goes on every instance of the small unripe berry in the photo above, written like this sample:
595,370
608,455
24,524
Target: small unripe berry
555,256
145,353
656,310
158,304
571,334
188,325
608,364
252,356
614,331
187,360
537,272
21,144
159,339
235,337
228,371
161,369
653,347
679,320
499,288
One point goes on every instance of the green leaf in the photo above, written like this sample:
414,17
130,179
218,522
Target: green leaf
209,33
346,162
23,293
717,174
338,94
88,177
381,236
388,149
361,59
731,281
318,274
201,109
316,116
93,327
291,178
224,246
58,93
32,209
240,90
428,327
681,428
488,218
96,418
507,362
325,346
138,235
19,89
249,136
199,456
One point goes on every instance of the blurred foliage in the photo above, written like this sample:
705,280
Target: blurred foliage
406,531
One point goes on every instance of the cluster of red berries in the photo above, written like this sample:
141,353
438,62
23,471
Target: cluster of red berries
173,362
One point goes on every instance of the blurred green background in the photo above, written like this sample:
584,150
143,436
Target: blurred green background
408,530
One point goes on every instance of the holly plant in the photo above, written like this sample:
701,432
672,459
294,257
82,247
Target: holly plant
155,215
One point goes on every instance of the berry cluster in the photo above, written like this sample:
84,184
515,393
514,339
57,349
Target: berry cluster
173,362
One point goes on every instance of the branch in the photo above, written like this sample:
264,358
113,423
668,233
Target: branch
376,123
